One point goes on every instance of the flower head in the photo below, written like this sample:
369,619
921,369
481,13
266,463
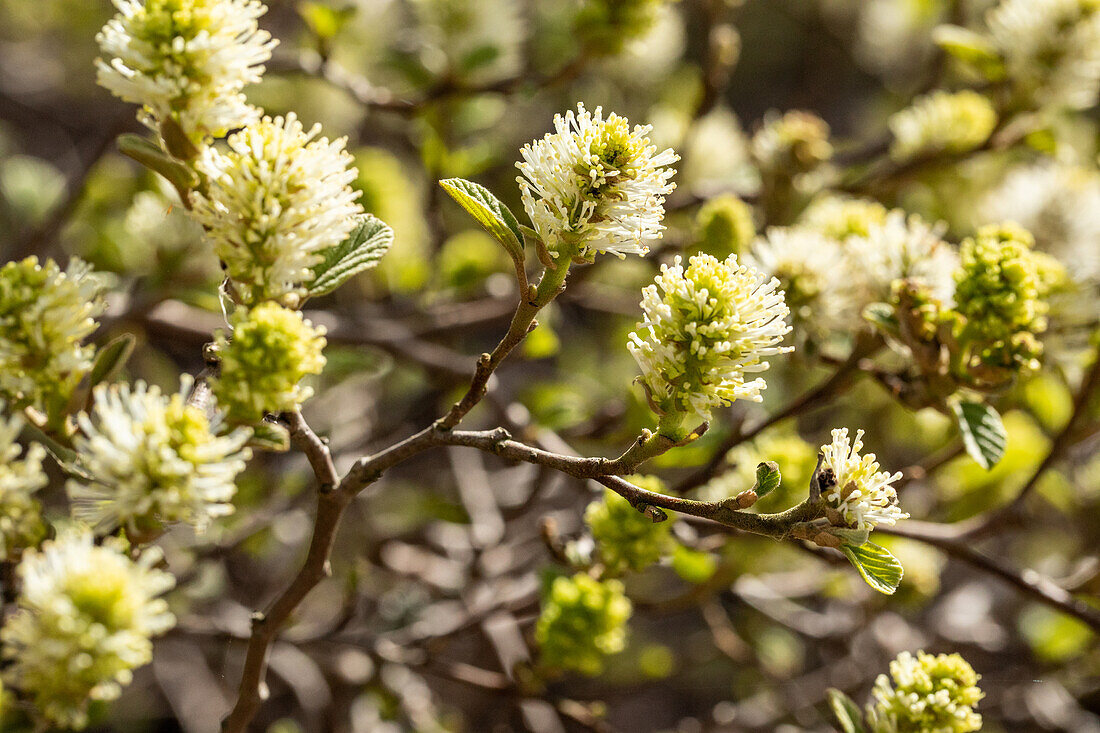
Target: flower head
45,314
792,143
813,273
840,218
21,523
277,198
186,60
861,494
153,459
929,694
1050,48
85,617
271,350
942,122
627,539
582,621
595,184
705,328
903,248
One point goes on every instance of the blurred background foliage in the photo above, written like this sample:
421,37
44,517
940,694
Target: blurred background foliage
434,595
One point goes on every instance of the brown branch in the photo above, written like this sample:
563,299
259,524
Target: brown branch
1029,582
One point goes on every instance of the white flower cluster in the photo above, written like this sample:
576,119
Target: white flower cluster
152,458
846,254
812,270
930,694
45,315
277,198
186,60
862,495
942,122
706,327
86,614
20,519
1051,49
903,247
595,184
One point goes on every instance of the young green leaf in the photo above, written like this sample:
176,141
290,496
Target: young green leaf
879,568
847,712
982,431
489,212
768,478
110,359
881,316
270,436
152,157
362,250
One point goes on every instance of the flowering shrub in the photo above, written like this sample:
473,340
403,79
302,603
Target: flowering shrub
247,453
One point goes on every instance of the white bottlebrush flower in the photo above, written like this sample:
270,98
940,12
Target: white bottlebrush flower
45,315
861,494
85,617
277,198
20,518
1060,205
152,458
841,217
812,270
705,328
596,184
942,122
1051,49
187,60
903,247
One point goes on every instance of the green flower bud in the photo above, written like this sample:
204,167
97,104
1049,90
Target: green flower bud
724,226
272,349
1000,287
582,621
929,694
627,539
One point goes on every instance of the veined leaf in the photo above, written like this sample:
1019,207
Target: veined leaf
152,157
982,431
879,568
489,212
768,478
361,251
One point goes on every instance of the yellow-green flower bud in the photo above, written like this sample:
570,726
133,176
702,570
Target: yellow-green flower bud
271,350
929,694
582,621
724,226
999,291
626,538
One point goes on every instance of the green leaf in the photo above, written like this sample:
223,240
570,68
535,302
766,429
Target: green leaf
847,712
982,431
152,157
768,478
489,212
879,568
971,48
66,458
326,22
110,359
362,250
270,436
